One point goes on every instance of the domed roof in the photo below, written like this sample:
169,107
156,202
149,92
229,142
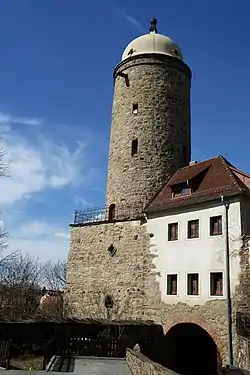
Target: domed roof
152,43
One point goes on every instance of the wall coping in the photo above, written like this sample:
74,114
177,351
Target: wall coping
141,357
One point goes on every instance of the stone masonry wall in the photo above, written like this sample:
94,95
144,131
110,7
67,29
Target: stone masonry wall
127,276
141,365
160,85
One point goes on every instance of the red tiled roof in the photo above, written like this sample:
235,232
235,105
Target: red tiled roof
211,178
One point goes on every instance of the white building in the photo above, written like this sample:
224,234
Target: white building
188,220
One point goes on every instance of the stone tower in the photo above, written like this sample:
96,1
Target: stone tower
150,132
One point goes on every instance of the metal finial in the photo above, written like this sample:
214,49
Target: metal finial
153,23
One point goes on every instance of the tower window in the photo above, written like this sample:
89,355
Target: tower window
108,302
193,284
135,108
112,250
111,212
176,52
134,147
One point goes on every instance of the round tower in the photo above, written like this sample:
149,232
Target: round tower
150,131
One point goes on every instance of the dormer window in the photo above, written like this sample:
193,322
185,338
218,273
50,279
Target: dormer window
181,190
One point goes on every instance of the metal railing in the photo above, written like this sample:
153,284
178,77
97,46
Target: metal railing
108,214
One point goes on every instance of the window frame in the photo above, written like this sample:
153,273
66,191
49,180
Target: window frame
189,286
211,225
176,231
211,273
189,229
169,284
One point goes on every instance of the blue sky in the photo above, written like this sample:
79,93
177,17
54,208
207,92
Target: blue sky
57,58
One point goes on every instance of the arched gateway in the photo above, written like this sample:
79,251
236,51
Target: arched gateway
193,345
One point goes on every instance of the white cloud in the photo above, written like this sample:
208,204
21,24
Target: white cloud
7,119
48,249
128,17
36,163
35,167
41,240
62,235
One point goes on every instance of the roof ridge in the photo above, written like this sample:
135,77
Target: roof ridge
240,171
227,166
199,162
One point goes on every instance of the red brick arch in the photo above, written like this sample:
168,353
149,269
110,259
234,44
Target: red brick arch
196,319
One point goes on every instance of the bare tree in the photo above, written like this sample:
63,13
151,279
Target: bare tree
20,279
4,170
54,274
4,258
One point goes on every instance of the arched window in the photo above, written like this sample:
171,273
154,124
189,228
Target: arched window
111,212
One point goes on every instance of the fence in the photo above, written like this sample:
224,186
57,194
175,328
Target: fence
5,347
108,214
84,346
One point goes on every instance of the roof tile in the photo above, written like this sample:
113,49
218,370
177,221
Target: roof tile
209,179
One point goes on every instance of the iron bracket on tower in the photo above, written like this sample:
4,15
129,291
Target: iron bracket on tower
125,76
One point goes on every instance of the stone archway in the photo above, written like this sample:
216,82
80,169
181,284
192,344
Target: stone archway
191,350
211,331
197,319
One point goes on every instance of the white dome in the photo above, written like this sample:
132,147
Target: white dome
152,43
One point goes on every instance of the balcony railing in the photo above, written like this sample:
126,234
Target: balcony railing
108,214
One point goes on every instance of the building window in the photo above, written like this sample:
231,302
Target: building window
193,284
171,284
193,229
135,108
181,190
111,212
216,284
134,147
215,225
173,231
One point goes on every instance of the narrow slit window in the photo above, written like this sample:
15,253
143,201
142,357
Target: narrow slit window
111,213
134,147
135,108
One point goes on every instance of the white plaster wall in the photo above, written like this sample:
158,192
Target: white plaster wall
200,255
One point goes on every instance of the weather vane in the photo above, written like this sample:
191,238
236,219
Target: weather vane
153,23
